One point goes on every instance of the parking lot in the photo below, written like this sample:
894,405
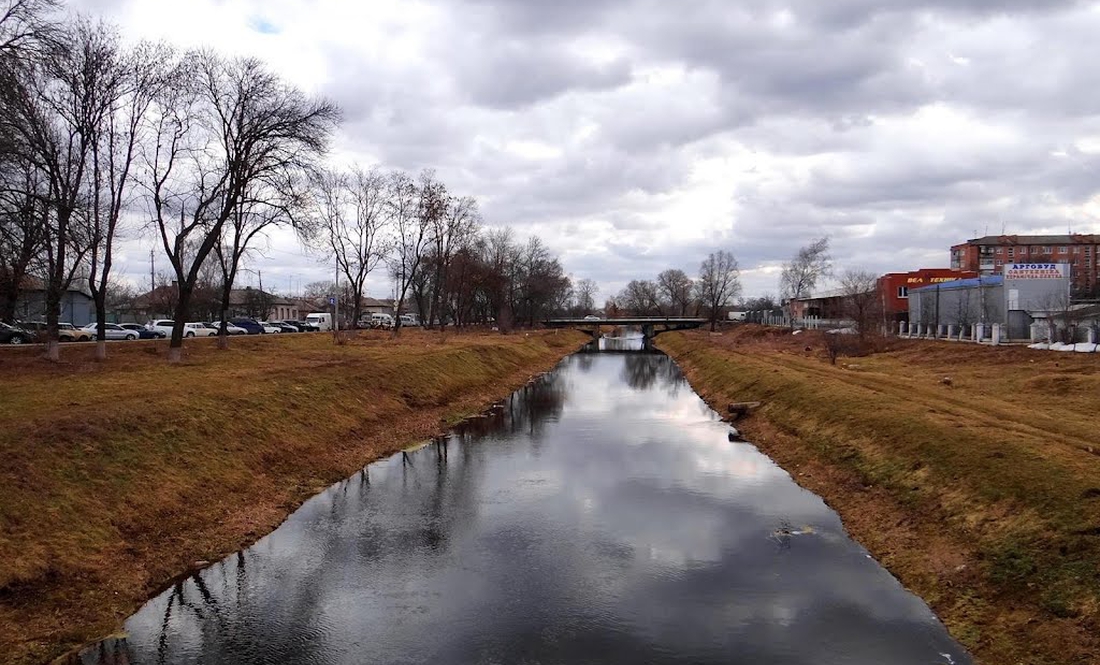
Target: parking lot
35,332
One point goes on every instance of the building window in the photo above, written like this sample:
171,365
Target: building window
1063,250
1000,250
1011,252
903,291
1046,249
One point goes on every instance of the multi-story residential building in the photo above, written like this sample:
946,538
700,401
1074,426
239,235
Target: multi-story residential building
990,254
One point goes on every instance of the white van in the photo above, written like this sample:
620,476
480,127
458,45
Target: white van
323,320
381,320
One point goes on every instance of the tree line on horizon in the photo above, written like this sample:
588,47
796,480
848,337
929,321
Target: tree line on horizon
674,293
100,140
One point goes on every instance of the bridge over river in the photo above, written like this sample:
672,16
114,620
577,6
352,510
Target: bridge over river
651,326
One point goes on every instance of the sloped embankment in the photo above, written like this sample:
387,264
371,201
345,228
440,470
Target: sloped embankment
116,477
971,473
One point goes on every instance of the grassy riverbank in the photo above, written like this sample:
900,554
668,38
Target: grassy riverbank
972,473
118,476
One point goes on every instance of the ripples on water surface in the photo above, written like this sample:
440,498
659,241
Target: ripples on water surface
602,517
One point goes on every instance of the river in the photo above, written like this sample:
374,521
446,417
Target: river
601,515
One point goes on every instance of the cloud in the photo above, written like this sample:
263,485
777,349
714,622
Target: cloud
635,135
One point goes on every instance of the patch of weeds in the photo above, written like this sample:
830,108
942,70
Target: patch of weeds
1059,599
1010,564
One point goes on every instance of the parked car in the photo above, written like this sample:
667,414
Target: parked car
305,326
162,326
409,320
322,320
37,329
67,332
251,326
270,329
197,329
110,331
229,328
381,320
285,326
591,317
10,334
142,332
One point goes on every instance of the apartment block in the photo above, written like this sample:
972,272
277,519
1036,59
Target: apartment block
989,255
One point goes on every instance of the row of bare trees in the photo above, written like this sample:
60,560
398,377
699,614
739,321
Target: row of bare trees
471,275
674,293
97,137
100,140
860,300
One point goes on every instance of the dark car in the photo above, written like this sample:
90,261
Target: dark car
15,335
142,332
251,325
285,326
305,326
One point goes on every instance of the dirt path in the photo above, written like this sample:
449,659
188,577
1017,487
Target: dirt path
973,474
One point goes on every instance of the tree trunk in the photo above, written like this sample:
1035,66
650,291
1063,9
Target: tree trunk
223,330
183,311
53,313
100,298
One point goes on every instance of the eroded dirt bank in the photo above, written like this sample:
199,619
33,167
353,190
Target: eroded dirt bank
971,473
115,477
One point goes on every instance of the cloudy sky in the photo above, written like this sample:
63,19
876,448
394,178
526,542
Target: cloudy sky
637,135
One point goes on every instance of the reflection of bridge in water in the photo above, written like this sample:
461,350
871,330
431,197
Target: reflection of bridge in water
651,327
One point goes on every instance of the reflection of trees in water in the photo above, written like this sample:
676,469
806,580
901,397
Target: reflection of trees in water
528,410
111,651
584,360
644,371
407,511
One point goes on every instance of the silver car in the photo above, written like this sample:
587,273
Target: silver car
111,331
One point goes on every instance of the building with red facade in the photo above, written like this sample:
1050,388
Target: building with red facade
990,254
893,288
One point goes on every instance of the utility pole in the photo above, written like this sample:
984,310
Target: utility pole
152,272
263,299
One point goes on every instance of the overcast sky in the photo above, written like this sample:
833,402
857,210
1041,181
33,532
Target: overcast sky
638,135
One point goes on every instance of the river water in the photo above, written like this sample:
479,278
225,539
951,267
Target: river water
602,515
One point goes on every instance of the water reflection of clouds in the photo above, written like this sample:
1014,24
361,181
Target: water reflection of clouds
602,512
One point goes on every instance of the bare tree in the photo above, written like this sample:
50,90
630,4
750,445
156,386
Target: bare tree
964,309
248,221
1062,316
719,283
584,292
23,222
640,296
51,112
353,212
859,289
130,81
27,27
801,275
452,230
675,289
414,209
227,134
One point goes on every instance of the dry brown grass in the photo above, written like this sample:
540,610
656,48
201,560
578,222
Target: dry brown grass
118,476
981,493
